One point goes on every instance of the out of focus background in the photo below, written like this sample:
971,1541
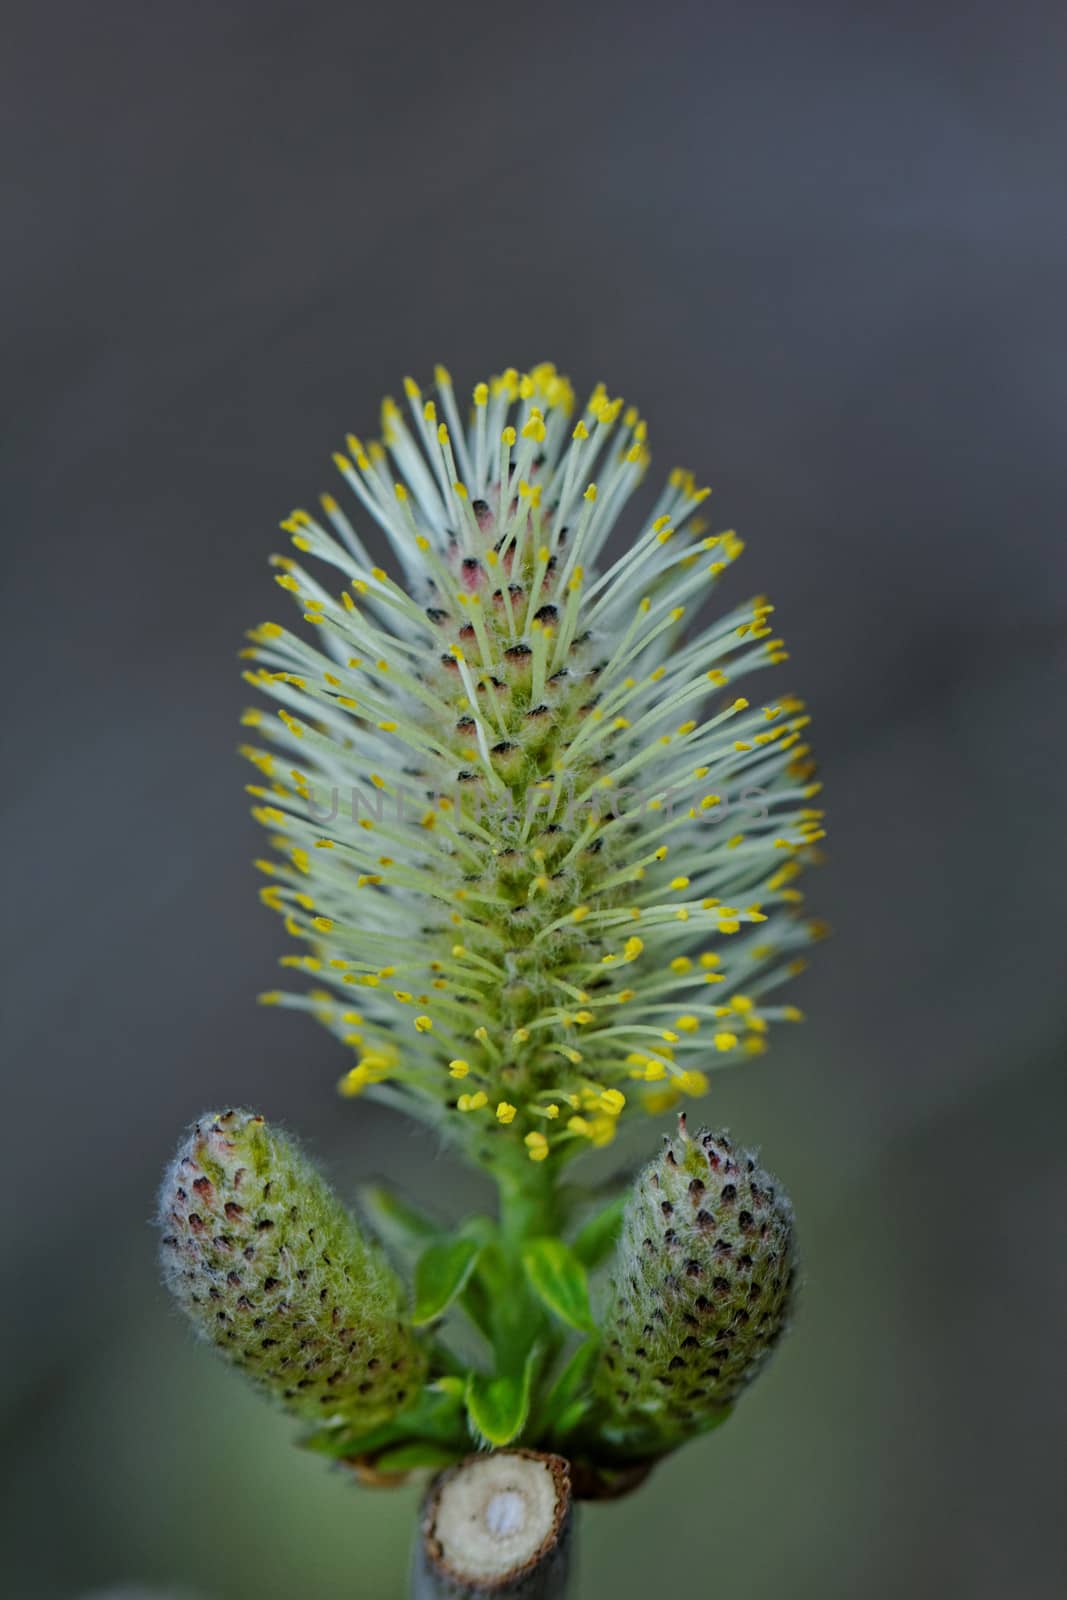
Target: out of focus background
824,247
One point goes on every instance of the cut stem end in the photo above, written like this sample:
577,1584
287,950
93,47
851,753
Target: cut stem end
496,1525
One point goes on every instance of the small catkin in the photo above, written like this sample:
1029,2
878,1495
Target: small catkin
704,1278
268,1265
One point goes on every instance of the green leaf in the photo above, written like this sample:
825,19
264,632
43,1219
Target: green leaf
399,1225
454,1387
559,1279
501,1306
498,1407
596,1238
410,1457
571,1415
480,1228
435,1415
441,1273
341,1442
571,1382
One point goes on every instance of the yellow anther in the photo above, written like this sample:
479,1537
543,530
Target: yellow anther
537,1146
694,1083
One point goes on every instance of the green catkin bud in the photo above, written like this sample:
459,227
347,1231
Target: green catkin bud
704,1279
268,1265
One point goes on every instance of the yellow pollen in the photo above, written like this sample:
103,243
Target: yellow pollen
537,1146
694,1083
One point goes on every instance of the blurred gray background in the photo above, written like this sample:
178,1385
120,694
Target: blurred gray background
823,246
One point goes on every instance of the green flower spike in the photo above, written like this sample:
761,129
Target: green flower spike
704,1278
269,1267
537,852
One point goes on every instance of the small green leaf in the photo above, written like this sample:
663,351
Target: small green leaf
400,1225
571,1415
441,1273
410,1457
454,1387
501,1306
498,1407
559,1279
480,1228
435,1414
342,1443
569,1385
570,1397
596,1238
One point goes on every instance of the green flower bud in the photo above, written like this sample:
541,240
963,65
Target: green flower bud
267,1264
704,1278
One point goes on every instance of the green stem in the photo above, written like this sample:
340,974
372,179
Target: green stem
529,1208
529,1204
